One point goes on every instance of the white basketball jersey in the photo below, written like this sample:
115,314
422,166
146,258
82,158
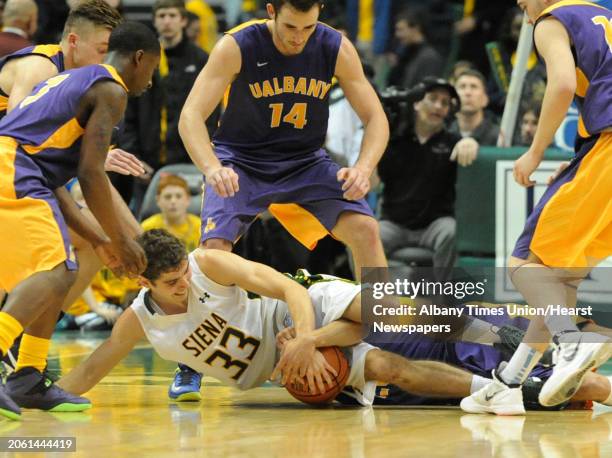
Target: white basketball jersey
223,334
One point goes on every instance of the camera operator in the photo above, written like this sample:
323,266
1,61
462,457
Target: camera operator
419,171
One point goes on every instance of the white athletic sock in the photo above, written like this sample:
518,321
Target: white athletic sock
478,382
479,331
560,323
608,400
520,365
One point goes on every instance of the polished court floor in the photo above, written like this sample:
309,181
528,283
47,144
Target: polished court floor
133,417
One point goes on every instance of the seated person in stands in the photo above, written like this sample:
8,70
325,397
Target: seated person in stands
419,171
528,125
173,199
472,120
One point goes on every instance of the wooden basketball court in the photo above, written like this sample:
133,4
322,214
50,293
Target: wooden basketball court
132,416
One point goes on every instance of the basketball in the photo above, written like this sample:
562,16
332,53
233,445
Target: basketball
336,359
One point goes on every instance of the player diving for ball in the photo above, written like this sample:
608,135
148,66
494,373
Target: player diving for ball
195,309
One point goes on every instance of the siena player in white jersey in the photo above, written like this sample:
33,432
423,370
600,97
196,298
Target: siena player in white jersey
195,309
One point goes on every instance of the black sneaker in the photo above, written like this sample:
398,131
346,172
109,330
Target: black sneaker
31,389
8,408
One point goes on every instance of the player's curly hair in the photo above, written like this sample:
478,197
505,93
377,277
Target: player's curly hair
300,5
131,36
164,252
96,12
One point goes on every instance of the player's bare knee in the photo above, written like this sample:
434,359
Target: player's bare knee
383,366
218,244
364,233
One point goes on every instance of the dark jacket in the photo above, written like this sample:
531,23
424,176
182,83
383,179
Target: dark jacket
11,42
140,133
419,180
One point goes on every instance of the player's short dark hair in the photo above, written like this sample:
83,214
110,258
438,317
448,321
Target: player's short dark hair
178,4
164,252
474,73
131,36
96,12
300,5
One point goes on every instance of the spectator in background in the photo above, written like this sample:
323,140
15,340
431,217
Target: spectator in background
193,27
418,171
208,23
151,121
472,120
414,57
459,67
173,198
19,23
528,125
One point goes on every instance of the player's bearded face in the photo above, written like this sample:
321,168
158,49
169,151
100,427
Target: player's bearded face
293,28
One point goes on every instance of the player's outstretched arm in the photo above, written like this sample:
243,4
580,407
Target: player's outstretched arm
126,333
362,97
342,333
27,72
553,44
102,107
218,73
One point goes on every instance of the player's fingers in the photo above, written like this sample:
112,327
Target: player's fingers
330,369
341,175
218,186
312,383
234,180
319,381
349,181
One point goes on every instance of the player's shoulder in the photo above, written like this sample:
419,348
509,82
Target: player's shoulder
247,27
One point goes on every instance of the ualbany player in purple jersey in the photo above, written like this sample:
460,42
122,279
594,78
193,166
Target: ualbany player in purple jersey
266,153
84,42
63,129
570,230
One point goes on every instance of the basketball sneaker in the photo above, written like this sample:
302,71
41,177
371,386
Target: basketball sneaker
31,389
186,385
8,408
497,397
579,352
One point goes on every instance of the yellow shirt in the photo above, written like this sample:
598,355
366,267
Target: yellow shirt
188,232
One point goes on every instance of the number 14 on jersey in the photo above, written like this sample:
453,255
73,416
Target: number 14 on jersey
295,116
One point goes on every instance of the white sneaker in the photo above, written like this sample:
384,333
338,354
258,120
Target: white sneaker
497,398
579,352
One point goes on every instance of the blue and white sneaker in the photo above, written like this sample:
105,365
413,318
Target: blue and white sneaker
186,385
31,389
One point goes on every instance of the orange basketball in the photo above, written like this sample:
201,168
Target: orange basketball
336,359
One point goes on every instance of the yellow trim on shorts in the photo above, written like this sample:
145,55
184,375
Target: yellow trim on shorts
300,223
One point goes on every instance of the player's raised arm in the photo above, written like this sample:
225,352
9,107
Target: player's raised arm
27,73
553,44
107,101
362,97
126,333
218,73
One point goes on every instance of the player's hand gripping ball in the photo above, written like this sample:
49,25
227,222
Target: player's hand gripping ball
336,359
